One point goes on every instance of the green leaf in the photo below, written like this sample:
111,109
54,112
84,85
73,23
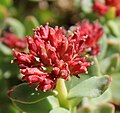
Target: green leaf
59,110
8,109
17,26
42,106
85,5
30,23
45,16
6,3
115,87
110,64
103,47
3,12
114,28
84,110
105,97
5,50
7,69
92,87
114,43
105,108
74,80
26,94
94,70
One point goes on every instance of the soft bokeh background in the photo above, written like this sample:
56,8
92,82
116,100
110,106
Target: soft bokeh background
21,16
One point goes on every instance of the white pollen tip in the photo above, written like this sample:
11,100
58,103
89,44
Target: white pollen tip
12,61
36,89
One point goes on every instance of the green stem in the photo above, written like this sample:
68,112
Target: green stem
62,96
62,93
73,110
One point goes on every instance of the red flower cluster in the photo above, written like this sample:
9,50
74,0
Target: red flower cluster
52,55
12,41
93,33
102,9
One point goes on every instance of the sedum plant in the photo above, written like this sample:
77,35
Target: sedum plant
78,84
58,68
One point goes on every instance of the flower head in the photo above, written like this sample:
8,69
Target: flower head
12,41
52,55
92,33
100,8
103,8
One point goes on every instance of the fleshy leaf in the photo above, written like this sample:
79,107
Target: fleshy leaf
74,81
42,106
86,5
105,97
115,87
114,43
26,94
84,110
16,25
94,70
30,23
103,47
110,64
59,110
92,87
105,108
114,28
8,109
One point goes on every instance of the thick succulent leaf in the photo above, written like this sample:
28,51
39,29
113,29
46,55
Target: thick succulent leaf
103,47
97,108
5,50
115,87
84,110
42,106
114,28
110,64
114,43
94,70
86,5
105,97
74,81
45,16
30,23
92,87
59,110
7,69
105,108
8,109
16,25
26,94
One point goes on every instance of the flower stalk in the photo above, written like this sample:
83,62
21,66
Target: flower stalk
62,93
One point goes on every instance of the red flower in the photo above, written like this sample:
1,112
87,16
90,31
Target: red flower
118,10
112,2
100,8
52,56
12,41
93,33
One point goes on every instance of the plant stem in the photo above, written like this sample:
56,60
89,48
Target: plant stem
73,110
62,93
